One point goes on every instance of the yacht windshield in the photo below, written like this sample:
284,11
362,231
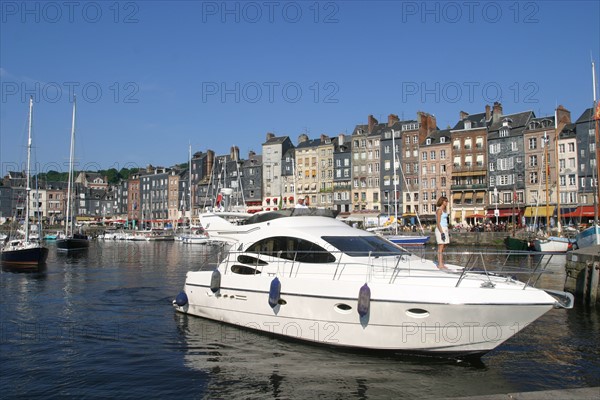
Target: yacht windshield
363,246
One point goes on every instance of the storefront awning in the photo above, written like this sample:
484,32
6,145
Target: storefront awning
456,196
539,211
504,212
468,195
581,211
477,216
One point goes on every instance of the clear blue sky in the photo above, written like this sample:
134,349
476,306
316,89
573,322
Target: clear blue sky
152,76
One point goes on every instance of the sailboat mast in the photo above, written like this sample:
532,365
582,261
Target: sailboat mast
190,184
395,182
596,117
28,170
547,175
557,161
69,221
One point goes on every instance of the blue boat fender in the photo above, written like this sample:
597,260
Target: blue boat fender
215,281
181,299
274,292
364,300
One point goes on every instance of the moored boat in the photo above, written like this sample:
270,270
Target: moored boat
588,237
317,279
408,240
554,244
71,241
25,250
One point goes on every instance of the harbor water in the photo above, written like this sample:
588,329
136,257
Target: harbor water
100,324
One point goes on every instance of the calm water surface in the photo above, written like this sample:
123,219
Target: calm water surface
100,324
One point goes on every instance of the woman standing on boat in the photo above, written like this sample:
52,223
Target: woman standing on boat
441,229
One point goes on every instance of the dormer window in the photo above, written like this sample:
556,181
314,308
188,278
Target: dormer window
428,141
504,131
442,139
467,124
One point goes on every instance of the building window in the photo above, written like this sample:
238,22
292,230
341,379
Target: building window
532,143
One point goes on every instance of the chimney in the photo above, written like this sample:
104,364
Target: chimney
463,115
341,138
427,122
497,112
392,119
372,123
302,138
562,115
270,136
234,153
149,168
324,138
251,154
488,112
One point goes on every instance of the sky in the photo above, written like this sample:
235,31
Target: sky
152,78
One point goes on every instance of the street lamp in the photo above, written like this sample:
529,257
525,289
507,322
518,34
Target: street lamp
496,212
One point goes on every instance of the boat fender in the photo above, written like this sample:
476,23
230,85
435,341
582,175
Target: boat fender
364,300
215,281
274,292
181,299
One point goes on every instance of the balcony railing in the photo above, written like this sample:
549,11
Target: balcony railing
469,187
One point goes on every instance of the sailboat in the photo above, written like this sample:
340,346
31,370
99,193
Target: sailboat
71,241
591,235
194,235
25,251
402,240
553,244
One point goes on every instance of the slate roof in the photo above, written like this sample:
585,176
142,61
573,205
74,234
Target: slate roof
435,137
518,123
477,121
586,116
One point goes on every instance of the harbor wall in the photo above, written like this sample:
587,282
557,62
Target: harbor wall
583,274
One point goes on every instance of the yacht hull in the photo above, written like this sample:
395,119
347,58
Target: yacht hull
72,244
27,256
588,237
407,240
553,245
407,318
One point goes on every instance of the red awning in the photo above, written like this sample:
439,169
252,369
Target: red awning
506,212
581,211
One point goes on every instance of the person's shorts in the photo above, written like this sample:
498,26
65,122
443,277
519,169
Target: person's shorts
438,236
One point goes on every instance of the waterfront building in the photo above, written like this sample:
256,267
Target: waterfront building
324,196
390,178
274,149
506,155
366,166
342,175
133,200
414,133
539,131
251,181
307,168
288,178
203,170
469,184
567,168
587,162
436,172
179,198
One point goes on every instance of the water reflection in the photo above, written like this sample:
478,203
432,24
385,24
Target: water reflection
244,364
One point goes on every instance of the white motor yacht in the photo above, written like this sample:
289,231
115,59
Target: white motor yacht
314,278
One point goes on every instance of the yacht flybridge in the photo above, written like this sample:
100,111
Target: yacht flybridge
314,278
